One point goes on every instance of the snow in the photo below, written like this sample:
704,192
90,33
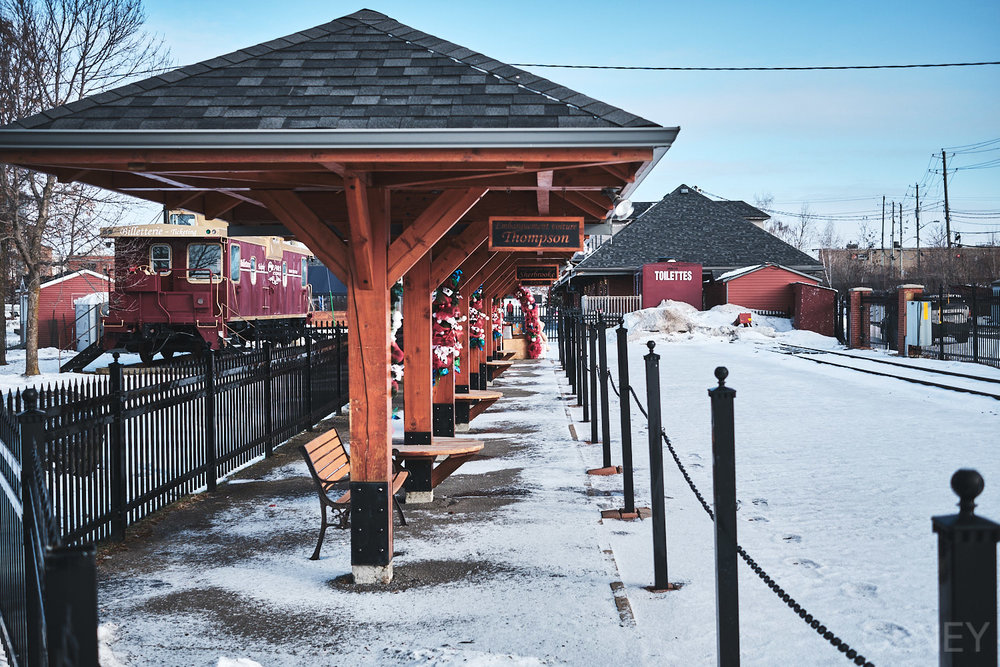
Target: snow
737,272
12,376
91,299
838,474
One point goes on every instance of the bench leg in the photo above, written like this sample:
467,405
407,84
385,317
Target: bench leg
399,510
322,533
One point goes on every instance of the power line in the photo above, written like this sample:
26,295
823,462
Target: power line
756,69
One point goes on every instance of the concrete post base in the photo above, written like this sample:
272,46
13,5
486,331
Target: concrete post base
418,497
461,428
372,574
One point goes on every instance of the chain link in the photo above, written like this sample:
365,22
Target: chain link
808,618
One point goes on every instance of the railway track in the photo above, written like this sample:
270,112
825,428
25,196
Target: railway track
966,383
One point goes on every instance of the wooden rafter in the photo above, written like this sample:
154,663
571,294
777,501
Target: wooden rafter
544,179
456,250
585,204
419,237
310,229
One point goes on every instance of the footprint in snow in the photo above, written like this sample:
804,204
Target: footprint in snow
760,502
860,590
894,633
792,538
758,519
804,562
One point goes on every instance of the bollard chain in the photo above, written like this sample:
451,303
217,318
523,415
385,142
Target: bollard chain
808,618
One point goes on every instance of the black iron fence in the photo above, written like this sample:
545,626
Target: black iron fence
81,461
548,313
965,325
883,320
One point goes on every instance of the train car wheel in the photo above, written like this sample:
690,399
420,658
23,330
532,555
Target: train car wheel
167,353
146,353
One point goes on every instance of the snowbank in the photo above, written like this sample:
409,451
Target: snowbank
91,299
678,321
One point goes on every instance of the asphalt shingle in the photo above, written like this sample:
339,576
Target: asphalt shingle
365,65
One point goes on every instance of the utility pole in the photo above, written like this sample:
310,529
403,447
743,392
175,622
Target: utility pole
882,259
892,238
916,214
947,214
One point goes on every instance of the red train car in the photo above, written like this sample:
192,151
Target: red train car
186,286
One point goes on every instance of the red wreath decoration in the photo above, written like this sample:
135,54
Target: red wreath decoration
446,327
532,324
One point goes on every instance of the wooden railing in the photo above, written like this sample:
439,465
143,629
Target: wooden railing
610,305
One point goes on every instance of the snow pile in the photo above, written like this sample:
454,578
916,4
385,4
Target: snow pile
679,321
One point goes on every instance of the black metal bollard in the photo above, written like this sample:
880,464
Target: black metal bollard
592,331
570,332
560,321
582,393
625,404
660,580
967,579
727,600
602,347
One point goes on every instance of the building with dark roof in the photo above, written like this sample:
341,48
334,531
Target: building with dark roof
685,226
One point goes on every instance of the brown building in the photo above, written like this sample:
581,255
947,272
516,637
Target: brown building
884,268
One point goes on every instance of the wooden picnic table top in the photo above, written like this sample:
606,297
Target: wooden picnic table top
440,446
478,395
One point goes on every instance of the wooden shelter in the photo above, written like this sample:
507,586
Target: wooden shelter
386,151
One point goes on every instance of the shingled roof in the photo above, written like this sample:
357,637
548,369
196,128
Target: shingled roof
689,227
362,71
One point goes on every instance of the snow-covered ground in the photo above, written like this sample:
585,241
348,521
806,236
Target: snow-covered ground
838,474
49,360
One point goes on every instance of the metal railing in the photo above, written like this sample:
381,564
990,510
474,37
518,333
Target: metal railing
610,306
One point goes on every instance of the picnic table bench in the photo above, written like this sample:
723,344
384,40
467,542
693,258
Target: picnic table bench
330,467
449,453
496,368
505,354
471,404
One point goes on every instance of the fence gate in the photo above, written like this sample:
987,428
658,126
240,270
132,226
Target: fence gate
883,320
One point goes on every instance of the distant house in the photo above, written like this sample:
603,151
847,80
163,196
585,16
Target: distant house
56,309
762,287
685,226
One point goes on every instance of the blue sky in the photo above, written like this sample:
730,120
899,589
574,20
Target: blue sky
836,140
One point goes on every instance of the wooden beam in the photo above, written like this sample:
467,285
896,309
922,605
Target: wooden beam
417,362
359,232
474,264
544,185
216,204
310,229
456,250
420,236
585,204
621,171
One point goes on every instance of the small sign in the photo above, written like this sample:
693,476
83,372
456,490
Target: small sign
535,233
538,274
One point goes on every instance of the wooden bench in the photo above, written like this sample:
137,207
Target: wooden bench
471,404
496,368
505,355
419,461
330,466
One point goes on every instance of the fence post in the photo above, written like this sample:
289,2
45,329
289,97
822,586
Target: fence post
625,405
71,605
309,383
967,579
940,321
32,432
727,601
975,325
340,369
582,392
559,332
211,464
660,580
116,380
602,347
571,351
592,332
268,407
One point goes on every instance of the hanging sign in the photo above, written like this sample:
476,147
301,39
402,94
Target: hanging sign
536,233
537,274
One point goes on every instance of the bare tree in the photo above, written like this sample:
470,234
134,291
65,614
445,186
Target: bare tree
54,52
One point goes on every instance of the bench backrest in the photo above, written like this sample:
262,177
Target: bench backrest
327,458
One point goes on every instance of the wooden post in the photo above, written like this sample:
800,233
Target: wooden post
463,382
417,353
369,382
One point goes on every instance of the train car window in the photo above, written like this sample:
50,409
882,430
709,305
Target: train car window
159,258
204,262
303,274
284,274
186,219
253,270
234,262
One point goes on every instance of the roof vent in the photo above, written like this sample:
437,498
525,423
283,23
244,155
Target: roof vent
666,259
684,191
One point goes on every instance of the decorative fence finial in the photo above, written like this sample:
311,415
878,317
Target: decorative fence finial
721,373
967,484
650,344
30,397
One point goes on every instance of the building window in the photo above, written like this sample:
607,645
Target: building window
303,274
204,262
234,262
253,270
284,273
186,219
159,258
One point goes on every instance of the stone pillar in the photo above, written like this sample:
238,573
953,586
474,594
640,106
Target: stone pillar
906,293
858,317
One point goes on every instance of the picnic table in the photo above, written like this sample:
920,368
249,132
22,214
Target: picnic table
496,368
471,404
448,453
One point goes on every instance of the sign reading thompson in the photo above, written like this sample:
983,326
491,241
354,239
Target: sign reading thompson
538,274
526,233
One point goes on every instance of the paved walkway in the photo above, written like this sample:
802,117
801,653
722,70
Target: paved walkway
505,566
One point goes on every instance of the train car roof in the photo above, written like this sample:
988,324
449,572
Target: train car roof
212,231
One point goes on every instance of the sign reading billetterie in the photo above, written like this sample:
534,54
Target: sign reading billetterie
538,274
526,233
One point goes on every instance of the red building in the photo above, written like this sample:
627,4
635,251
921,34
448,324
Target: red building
762,287
56,310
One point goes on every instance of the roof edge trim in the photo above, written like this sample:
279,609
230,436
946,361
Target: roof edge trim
641,137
